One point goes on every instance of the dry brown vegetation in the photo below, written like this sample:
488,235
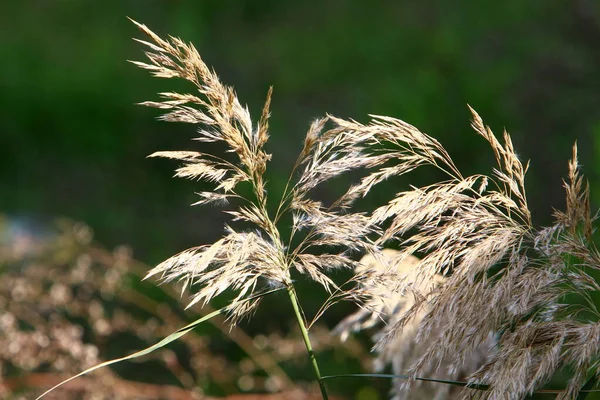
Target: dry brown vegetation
65,301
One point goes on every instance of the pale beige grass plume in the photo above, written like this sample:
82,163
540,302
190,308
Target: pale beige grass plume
384,307
476,231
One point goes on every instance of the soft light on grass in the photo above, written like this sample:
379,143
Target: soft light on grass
486,279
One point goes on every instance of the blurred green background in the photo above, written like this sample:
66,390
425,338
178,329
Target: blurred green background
73,144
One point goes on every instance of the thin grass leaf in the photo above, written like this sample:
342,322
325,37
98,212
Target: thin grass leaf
172,337
585,391
407,377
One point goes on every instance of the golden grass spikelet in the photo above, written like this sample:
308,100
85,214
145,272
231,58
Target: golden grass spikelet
322,237
504,278
386,304
505,281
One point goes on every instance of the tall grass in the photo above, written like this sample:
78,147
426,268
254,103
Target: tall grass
486,279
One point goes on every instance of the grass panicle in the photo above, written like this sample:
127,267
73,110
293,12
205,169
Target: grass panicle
500,315
486,278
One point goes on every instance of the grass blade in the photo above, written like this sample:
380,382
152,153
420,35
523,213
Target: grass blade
390,376
172,337
585,390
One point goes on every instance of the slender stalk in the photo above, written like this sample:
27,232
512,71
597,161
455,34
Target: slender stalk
311,353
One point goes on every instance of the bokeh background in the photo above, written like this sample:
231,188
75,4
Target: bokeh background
73,144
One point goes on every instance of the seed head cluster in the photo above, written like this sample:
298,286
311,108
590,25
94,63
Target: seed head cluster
486,300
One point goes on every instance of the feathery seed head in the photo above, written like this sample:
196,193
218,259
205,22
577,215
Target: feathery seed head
505,281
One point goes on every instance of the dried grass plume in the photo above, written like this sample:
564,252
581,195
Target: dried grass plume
503,276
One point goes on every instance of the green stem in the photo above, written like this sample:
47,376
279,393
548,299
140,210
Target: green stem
311,353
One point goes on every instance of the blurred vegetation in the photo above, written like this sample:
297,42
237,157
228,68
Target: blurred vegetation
68,304
72,142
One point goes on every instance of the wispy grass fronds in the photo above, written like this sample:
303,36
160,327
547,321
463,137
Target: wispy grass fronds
386,303
322,236
548,332
505,281
504,277
241,260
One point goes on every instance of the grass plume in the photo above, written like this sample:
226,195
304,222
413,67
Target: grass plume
476,231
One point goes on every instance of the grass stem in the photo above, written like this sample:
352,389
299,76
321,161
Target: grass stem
311,353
